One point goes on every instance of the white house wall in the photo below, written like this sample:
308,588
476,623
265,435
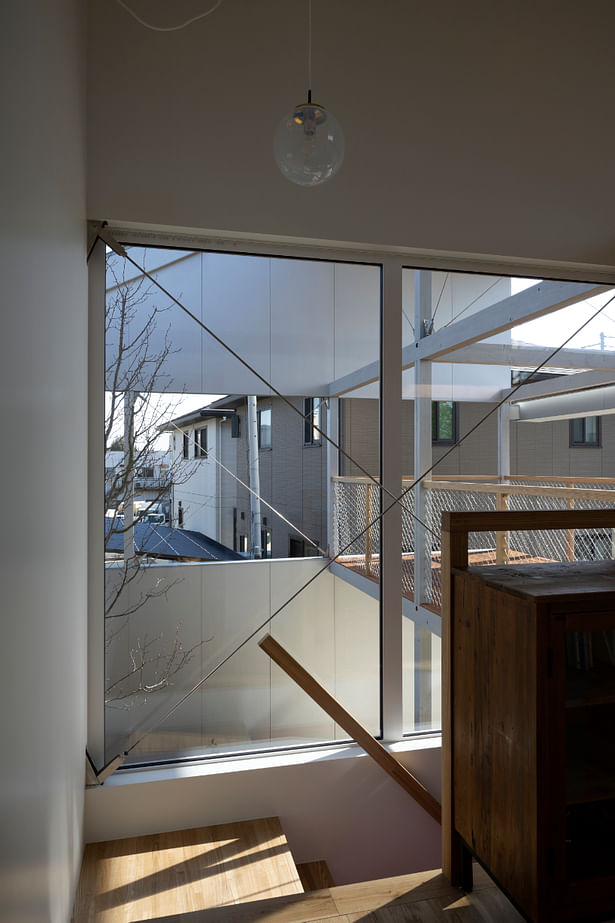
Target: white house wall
197,482
300,324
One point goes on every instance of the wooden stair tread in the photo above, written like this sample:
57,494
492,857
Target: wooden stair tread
148,877
425,897
315,875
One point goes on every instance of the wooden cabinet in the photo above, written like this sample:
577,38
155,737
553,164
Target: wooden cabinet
529,726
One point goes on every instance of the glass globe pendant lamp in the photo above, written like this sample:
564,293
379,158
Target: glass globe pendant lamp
309,144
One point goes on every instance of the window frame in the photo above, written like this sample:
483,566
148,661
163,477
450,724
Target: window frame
260,427
584,442
436,439
200,437
312,410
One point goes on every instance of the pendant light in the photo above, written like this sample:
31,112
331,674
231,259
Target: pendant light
308,146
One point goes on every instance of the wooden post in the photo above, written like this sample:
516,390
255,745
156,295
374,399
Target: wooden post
570,532
454,554
501,538
368,533
353,728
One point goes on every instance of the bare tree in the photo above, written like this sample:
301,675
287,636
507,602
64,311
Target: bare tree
138,403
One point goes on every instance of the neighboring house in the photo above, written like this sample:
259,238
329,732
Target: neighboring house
213,496
580,447
153,480
164,543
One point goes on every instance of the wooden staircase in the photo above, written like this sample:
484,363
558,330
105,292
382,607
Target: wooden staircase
244,872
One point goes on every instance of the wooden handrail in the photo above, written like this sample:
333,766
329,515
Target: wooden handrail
525,490
512,521
493,479
353,728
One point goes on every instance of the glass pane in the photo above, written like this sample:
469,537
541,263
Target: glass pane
591,429
578,430
590,753
232,538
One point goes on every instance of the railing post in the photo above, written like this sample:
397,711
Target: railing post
423,313
570,532
368,532
501,538
332,472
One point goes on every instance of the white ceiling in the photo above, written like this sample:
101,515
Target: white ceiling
473,127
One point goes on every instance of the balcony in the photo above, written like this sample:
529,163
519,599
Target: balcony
357,504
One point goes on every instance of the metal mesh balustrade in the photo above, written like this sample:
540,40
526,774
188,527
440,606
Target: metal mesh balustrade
357,502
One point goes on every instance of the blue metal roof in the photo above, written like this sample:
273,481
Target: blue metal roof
164,542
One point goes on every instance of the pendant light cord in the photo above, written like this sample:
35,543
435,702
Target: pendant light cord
182,25
309,51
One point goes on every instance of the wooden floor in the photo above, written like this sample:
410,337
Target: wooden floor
243,873
148,877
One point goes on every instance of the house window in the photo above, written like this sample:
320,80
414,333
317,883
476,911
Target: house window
200,443
243,543
311,424
264,428
186,445
443,422
585,432
296,548
235,426
266,543
146,472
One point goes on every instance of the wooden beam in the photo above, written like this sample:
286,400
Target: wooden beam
526,521
454,555
357,732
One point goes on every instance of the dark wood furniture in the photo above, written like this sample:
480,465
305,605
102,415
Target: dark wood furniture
529,720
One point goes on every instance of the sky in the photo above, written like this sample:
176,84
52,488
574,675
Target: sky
554,329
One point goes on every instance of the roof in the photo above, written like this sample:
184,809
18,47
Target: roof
173,544
223,407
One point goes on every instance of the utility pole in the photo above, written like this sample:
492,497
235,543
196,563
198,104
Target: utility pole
255,479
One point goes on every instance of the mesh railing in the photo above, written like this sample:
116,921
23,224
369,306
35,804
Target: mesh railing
357,502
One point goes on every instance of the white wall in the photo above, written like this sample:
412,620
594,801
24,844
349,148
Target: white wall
469,127
43,393
331,627
344,810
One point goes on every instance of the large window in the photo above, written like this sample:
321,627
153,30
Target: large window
241,499
585,432
443,422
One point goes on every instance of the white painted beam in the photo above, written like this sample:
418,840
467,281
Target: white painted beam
446,345
531,356
581,381
540,299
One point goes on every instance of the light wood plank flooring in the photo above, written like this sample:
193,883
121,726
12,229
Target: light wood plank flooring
244,873
144,878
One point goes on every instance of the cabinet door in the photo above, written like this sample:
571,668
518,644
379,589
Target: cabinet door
589,744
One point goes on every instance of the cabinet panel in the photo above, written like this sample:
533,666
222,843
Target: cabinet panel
533,733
